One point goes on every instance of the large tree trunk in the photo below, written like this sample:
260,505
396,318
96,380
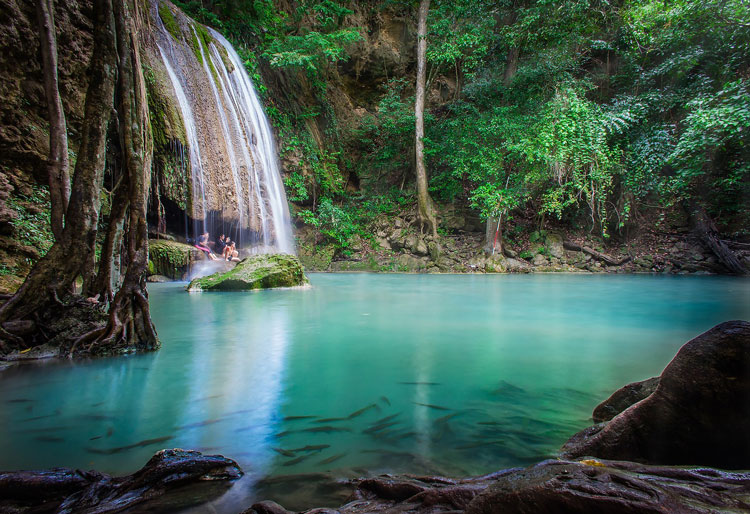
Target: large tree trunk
54,275
129,324
426,211
57,163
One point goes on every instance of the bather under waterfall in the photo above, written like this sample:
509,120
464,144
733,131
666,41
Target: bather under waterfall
235,184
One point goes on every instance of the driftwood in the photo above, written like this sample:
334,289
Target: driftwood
64,490
569,245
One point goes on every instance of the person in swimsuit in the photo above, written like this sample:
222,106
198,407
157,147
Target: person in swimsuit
202,245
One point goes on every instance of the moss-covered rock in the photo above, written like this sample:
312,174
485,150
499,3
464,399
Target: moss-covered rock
256,272
170,258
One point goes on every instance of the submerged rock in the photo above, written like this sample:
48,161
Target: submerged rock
255,272
66,490
698,414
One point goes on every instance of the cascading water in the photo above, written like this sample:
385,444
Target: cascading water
196,168
235,169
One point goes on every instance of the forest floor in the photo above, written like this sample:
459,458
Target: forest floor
658,244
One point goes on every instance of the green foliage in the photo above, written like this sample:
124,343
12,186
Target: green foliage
580,161
295,187
340,223
386,138
32,222
460,34
311,37
716,131
310,51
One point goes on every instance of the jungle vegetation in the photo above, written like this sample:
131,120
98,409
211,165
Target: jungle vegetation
587,111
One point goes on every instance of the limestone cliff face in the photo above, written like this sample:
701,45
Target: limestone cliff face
24,136
354,86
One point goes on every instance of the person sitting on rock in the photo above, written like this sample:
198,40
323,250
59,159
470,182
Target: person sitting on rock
220,245
230,252
202,245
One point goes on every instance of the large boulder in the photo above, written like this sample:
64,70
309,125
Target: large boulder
698,414
255,272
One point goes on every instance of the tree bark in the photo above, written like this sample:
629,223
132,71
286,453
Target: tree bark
57,162
707,232
426,211
54,275
511,66
130,322
107,278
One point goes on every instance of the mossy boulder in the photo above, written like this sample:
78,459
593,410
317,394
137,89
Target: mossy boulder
170,258
255,272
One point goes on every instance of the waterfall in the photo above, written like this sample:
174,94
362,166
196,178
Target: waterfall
196,168
235,173
268,170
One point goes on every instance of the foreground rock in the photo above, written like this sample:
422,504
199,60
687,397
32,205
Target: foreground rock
623,398
698,414
582,487
67,490
255,272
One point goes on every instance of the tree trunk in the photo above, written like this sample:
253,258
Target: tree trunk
54,275
57,162
130,324
706,230
511,66
107,277
426,212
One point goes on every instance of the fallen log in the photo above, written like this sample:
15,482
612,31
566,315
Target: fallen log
569,245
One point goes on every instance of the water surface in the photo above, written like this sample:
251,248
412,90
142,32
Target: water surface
452,374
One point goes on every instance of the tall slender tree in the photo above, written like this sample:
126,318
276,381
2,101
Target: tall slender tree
57,163
424,202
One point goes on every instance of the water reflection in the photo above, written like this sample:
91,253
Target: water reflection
215,387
